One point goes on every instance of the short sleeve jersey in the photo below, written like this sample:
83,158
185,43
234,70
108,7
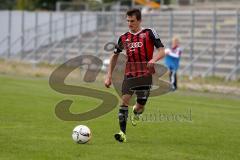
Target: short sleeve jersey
139,50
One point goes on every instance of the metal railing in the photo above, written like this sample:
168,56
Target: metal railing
29,37
210,69
199,55
232,73
63,55
194,28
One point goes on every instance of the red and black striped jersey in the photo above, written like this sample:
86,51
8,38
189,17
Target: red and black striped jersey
139,50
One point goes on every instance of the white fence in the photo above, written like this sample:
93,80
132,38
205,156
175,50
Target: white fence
22,31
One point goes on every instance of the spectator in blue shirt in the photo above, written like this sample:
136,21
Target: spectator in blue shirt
172,59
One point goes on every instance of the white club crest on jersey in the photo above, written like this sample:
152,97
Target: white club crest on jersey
142,35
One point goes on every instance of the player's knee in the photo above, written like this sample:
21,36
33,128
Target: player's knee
125,100
141,101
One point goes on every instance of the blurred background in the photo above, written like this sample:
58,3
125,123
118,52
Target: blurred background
36,32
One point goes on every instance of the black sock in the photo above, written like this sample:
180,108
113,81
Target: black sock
123,115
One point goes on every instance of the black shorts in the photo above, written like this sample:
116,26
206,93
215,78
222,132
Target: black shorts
140,86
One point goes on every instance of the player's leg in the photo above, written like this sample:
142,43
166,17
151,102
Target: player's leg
138,109
123,116
123,111
142,93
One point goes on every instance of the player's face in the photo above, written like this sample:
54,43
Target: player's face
133,23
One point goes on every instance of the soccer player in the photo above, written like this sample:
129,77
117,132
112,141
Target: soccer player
139,45
172,59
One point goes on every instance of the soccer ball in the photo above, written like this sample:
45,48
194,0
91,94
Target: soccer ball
81,134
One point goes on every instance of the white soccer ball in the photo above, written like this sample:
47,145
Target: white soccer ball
81,134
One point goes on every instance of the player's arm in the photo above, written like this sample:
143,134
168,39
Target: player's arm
113,62
160,48
160,55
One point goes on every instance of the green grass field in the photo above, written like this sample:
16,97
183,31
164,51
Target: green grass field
30,130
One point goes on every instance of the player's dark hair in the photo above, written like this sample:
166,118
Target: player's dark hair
134,12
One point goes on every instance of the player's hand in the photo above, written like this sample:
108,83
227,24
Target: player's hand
108,82
150,64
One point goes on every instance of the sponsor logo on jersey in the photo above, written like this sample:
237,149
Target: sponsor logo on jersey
133,45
